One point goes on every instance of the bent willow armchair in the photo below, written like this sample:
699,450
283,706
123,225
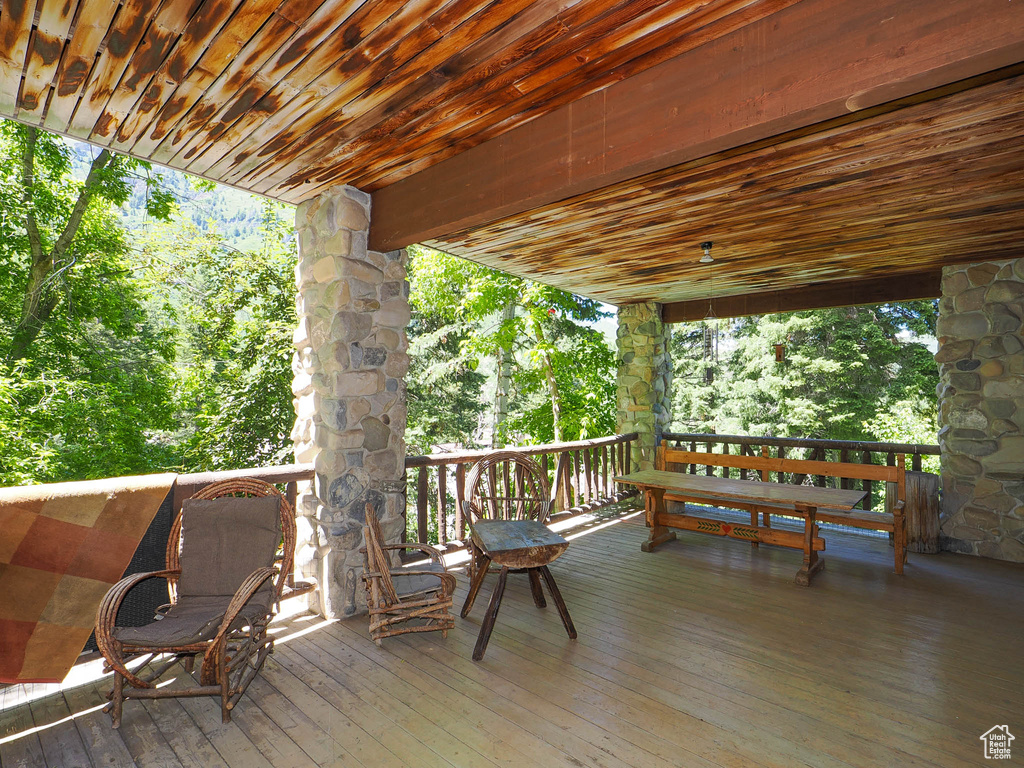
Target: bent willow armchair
401,600
224,577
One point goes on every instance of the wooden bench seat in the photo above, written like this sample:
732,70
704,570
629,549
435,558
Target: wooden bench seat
893,520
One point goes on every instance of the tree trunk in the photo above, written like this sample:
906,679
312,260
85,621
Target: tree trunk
39,303
504,380
549,375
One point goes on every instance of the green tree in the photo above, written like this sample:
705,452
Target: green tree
235,315
842,368
561,369
87,384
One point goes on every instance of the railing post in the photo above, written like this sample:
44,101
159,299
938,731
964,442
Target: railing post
765,454
442,504
866,459
421,505
460,496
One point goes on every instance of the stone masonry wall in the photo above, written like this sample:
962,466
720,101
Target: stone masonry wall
644,392
349,387
981,408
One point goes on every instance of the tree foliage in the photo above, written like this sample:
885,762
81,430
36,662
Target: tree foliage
843,370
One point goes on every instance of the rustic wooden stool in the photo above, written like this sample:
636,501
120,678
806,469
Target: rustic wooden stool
519,546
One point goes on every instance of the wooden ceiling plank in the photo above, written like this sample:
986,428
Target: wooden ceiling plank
297,92
77,63
556,40
929,185
160,37
121,41
47,45
241,45
208,22
661,43
230,98
911,286
15,32
487,23
804,64
198,99
409,32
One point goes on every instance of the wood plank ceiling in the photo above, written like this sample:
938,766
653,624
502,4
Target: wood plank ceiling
288,97
901,193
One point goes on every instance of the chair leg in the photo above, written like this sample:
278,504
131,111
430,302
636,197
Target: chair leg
117,700
491,616
538,593
478,579
559,602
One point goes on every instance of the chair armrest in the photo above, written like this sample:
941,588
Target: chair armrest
106,615
433,552
245,592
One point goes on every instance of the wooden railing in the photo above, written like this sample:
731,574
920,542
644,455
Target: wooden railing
581,474
799,448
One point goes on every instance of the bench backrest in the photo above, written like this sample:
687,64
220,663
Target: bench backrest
666,457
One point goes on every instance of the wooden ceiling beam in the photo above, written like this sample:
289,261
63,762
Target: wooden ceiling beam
813,61
837,293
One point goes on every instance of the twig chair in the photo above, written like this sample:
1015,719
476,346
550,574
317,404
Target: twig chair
402,600
224,577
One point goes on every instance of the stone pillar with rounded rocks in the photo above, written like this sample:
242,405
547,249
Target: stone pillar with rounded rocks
981,408
644,380
349,368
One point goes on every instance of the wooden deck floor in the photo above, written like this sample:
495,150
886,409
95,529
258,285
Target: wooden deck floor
703,653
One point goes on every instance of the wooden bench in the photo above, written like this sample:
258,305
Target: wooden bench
892,520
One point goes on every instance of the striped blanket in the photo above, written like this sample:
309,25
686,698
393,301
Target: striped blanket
62,546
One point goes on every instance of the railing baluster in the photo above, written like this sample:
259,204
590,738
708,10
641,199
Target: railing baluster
765,454
421,505
693,467
866,459
588,474
442,504
844,457
605,489
915,462
782,454
460,496
743,470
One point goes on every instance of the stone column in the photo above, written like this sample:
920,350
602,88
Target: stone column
349,387
981,408
644,392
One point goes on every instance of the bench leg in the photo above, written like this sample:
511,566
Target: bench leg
753,524
659,535
899,544
812,563
654,504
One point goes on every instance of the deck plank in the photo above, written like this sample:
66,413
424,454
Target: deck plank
701,654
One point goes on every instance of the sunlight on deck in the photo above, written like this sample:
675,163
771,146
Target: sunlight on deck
703,653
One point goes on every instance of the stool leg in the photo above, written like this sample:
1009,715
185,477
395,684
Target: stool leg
559,602
538,593
489,618
483,563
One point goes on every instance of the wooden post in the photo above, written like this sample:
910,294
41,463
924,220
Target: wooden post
460,496
868,485
442,504
922,512
421,505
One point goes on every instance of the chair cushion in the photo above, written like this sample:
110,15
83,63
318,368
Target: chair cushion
224,540
191,620
409,584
